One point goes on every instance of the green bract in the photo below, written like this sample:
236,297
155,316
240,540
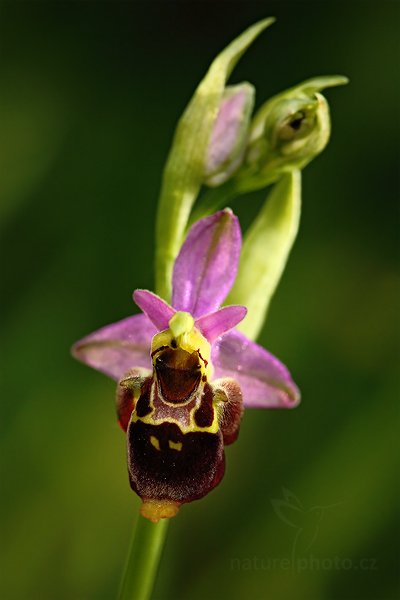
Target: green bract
184,171
265,251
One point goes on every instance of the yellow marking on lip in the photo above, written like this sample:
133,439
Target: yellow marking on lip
154,442
175,445
190,428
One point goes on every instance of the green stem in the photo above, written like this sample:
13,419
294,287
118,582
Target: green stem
143,558
214,199
219,197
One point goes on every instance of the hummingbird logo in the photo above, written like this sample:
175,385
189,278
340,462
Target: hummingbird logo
306,521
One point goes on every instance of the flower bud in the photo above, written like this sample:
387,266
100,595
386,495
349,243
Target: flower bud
287,132
230,134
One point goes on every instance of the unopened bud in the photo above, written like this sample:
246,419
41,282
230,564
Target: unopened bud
229,136
287,132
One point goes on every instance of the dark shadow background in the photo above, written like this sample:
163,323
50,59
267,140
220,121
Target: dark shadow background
90,95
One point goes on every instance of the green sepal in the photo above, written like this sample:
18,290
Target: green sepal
184,170
287,132
266,248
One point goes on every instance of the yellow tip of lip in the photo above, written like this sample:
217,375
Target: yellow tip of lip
154,510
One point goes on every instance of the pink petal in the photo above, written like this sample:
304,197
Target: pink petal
116,348
206,266
157,310
220,321
264,380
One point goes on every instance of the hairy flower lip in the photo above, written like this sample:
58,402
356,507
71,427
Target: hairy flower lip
204,272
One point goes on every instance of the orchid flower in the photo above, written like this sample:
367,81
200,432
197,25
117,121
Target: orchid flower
184,373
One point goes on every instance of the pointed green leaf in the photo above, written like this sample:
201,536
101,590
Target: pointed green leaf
184,170
266,248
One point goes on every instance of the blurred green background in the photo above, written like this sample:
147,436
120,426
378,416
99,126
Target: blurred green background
90,94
